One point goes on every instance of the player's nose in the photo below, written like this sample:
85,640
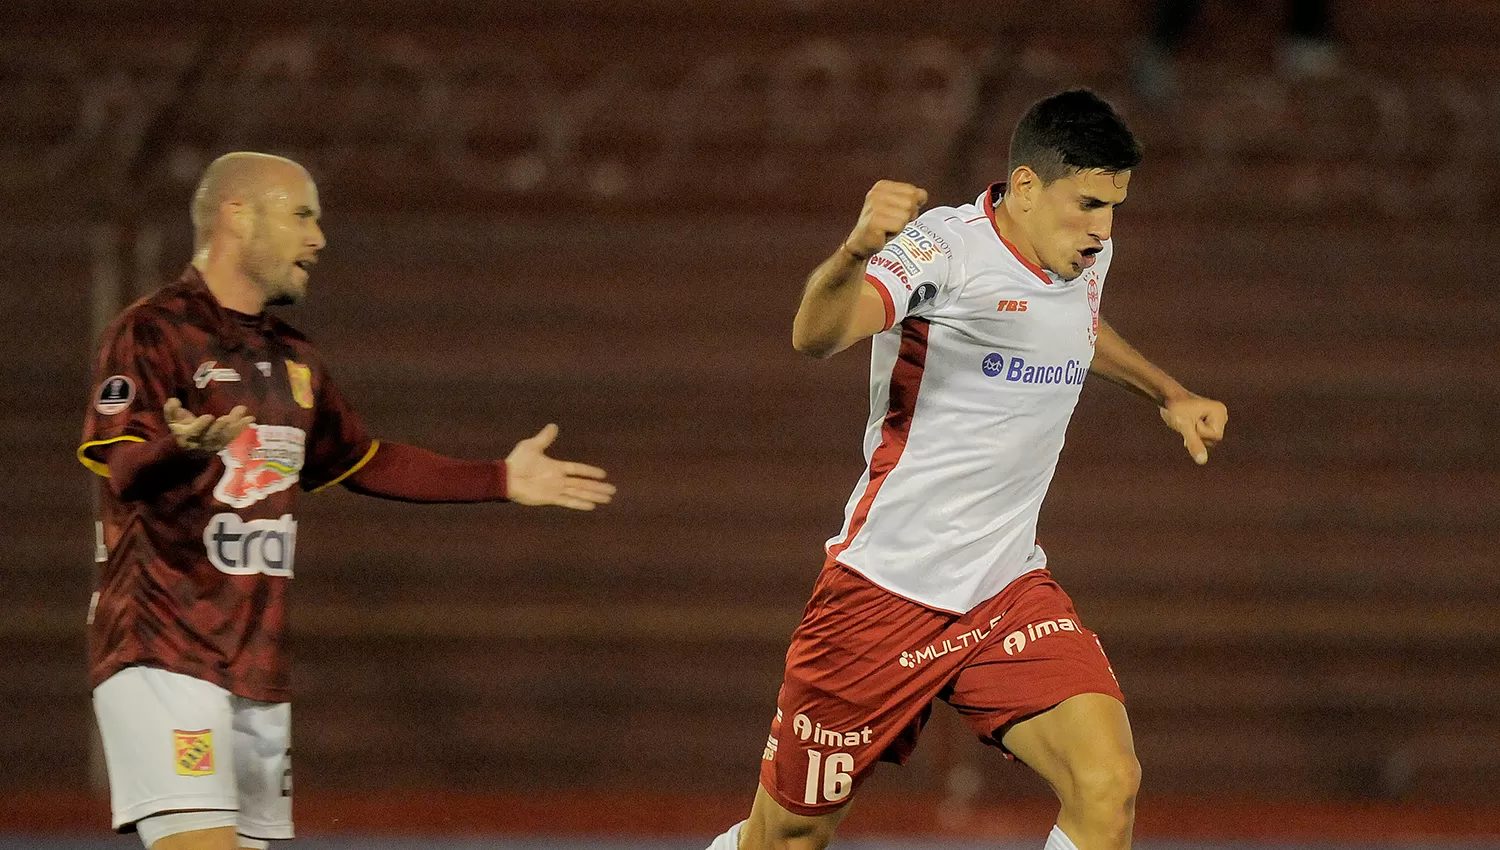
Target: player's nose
1103,225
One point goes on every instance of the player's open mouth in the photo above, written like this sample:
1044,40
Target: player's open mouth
1088,255
306,265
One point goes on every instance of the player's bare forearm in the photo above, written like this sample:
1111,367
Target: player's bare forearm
1119,363
830,303
1199,421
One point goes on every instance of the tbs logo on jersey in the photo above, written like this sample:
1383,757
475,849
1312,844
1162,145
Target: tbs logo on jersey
262,460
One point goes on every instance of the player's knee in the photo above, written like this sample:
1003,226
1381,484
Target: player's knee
790,833
799,836
1104,793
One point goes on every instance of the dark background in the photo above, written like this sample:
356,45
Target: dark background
600,213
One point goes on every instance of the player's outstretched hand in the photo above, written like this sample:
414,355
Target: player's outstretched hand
1199,420
205,433
889,206
535,479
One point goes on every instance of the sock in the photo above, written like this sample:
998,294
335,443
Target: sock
730,840
1059,840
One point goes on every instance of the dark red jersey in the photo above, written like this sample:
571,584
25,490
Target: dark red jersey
194,571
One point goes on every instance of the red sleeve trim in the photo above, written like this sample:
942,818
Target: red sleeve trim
885,300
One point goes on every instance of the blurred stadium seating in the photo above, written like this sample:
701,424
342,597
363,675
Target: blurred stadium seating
600,213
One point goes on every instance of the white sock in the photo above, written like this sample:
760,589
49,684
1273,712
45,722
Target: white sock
730,840
1059,840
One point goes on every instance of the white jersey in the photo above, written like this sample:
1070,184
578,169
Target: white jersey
971,389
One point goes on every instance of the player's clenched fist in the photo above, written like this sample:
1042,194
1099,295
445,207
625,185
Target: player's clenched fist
889,206
1200,421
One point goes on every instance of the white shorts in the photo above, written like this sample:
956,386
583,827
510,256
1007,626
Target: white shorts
174,743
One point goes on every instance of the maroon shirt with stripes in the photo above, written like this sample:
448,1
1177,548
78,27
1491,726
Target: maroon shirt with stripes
193,574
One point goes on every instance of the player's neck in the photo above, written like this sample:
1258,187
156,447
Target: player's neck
230,286
1011,231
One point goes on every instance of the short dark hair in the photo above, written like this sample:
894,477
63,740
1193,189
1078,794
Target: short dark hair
1073,130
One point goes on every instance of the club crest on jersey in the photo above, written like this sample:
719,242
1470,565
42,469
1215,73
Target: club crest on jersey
300,377
262,460
209,371
1093,281
115,395
194,752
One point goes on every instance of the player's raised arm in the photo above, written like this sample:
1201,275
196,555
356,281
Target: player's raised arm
1200,421
837,308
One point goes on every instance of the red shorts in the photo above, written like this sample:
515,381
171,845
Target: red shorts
865,665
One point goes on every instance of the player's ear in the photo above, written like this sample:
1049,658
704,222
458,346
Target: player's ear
237,218
1024,184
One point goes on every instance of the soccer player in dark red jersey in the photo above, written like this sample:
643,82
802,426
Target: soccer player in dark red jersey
208,412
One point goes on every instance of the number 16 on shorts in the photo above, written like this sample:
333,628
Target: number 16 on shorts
830,775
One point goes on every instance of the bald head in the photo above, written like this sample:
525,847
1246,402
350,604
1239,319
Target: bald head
255,228
245,177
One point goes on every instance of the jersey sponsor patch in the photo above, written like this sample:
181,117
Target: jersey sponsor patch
893,266
300,377
115,395
262,460
194,752
1017,371
210,371
240,548
921,243
993,364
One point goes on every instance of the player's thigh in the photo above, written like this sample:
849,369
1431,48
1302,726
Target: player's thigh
1082,747
221,838
1037,656
167,744
847,702
263,768
771,826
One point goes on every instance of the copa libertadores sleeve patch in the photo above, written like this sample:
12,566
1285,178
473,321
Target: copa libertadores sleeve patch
115,395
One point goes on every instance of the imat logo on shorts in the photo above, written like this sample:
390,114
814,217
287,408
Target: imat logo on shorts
808,730
1016,642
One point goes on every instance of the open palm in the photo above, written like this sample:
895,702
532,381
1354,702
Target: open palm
535,479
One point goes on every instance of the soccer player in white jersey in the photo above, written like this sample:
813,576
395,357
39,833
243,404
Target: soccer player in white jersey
985,320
